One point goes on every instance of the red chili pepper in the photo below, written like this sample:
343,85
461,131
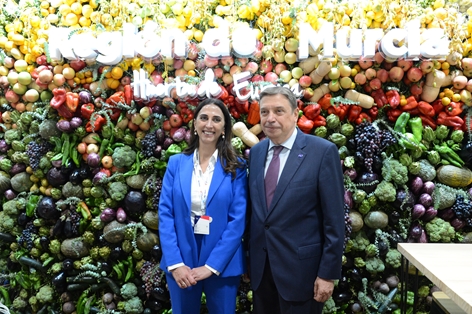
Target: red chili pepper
99,121
393,98
305,124
411,103
354,113
379,97
426,109
363,116
452,121
393,114
319,121
373,113
128,93
454,108
428,121
312,111
86,110
325,101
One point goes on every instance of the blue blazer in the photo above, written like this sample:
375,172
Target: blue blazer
226,205
302,231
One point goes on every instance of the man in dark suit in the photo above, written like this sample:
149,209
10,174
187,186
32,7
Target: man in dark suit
297,219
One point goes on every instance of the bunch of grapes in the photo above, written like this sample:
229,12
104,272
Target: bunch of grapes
348,224
151,275
371,142
36,150
26,237
463,210
244,297
154,191
149,144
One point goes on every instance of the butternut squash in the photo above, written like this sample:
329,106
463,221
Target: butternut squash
241,131
454,176
309,64
434,81
317,75
365,101
256,129
319,92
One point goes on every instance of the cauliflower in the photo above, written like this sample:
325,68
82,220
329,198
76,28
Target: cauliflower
374,265
117,190
393,258
123,157
359,241
45,294
393,170
440,230
385,192
129,290
131,306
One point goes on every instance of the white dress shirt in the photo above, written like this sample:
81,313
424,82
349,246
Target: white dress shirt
283,156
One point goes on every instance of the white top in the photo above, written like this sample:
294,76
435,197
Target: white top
283,156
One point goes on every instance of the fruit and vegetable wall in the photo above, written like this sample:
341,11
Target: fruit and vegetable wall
95,96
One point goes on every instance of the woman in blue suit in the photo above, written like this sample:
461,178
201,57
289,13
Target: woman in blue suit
202,213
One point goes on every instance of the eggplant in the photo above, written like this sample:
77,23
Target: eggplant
160,294
404,200
85,97
167,142
429,214
84,172
22,219
368,182
135,203
68,264
46,208
415,231
44,241
74,177
59,281
56,177
58,228
17,168
394,218
157,151
156,252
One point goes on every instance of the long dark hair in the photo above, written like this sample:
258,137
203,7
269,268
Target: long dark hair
226,152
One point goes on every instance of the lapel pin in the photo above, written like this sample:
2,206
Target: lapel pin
300,155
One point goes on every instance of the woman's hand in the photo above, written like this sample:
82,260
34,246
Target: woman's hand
201,273
184,277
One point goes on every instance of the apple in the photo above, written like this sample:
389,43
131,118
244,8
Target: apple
218,72
271,77
77,65
396,74
252,67
227,78
378,58
370,74
345,70
31,95
345,82
279,68
136,118
305,81
175,120
360,78
297,72
405,64
375,84
426,66
364,63
290,57
308,92
156,78
24,78
414,74
243,61
210,61
4,70
20,65
178,64
12,77
416,89
257,78
285,76
265,66
382,75
279,56
11,96
291,44
459,82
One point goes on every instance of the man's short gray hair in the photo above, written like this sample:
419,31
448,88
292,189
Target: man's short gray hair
279,90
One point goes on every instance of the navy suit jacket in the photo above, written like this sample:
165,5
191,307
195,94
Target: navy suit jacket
302,232
226,205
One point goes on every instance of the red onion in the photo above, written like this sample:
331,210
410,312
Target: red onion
415,231
351,173
120,215
3,146
10,194
64,126
98,177
93,160
85,97
107,215
428,187
75,122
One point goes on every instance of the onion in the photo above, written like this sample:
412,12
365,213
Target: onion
4,147
120,215
351,173
428,187
93,160
417,211
416,185
10,194
98,177
107,215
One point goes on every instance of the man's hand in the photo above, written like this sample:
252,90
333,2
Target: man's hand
184,277
323,289
201,273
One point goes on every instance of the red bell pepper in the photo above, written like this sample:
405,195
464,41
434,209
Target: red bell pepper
128,94
393,98
354,113
72,101
58,102
312,111
242,107
234,112
98,123
187,115
393,114
363,116
325,101
437,106
319,121
342,111
411,103
379,97
305,124
455,122
86,110
426,109
428,121
373,113
454,108
116,98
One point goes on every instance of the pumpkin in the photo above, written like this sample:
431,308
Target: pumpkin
147,241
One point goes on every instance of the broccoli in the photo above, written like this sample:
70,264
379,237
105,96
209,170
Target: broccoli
45,294
393,258
393,170
359,262
5,164
329,306
117,190
423,169
372,250
385,192
129,290
124,156
359,241
131,306
237,144
440,230
374,265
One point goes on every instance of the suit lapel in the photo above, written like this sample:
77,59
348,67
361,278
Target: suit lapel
294,160
186,170
216,180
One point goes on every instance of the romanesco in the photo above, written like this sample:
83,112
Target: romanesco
45,294
359,241
385,192
374,265
393,170
393,258
440,230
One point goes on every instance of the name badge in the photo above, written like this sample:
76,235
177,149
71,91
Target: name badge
202,225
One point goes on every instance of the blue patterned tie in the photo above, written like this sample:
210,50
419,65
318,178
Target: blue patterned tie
272,175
